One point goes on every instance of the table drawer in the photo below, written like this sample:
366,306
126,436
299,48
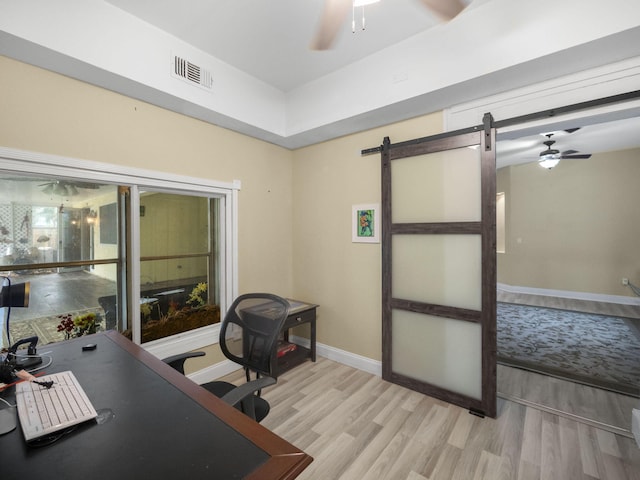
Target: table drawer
300,318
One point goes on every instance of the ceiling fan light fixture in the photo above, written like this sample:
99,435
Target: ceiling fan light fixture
550,157
59,189
548,161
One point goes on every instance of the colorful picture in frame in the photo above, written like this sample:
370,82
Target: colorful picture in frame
366,225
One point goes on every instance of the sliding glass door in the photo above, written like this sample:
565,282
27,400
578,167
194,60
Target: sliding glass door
48,238
72,241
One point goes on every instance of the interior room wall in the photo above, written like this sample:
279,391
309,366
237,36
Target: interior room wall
294,207
575,227
344,278
45,112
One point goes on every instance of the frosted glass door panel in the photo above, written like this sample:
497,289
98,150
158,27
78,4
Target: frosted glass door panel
437,187
440,269
439,351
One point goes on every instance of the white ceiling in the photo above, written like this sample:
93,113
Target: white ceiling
590,139
270,85
270,39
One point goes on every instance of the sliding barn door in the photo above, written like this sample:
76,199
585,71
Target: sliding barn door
439,266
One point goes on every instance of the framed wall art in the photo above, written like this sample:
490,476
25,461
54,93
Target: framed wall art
365,223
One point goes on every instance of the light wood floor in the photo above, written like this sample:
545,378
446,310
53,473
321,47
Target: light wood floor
359,427
594,406
587,404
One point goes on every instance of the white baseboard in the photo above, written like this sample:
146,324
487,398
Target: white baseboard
594,297
226,367
342,356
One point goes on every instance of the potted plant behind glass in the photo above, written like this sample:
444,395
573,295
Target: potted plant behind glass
83,324
195,314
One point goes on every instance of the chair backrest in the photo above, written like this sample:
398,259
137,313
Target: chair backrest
250,330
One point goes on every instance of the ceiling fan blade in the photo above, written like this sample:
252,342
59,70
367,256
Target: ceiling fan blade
91,186
571,130
445,9
333,16
586,155
569,152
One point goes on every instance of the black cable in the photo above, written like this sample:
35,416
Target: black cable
46,384
8,312
8,331
51,438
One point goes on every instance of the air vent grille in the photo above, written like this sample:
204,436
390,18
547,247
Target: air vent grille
192,73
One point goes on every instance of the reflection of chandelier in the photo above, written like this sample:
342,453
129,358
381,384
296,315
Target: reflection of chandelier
63,189
66,188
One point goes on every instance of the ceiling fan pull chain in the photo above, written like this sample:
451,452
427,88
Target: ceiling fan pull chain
353,19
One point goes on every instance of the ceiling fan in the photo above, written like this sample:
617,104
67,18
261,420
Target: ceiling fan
66,188
550,157
336,11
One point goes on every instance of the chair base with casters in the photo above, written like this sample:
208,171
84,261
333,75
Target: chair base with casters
245,397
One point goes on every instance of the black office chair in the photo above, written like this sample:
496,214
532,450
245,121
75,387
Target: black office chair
177,361
249,337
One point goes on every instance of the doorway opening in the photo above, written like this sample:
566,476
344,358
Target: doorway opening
570,238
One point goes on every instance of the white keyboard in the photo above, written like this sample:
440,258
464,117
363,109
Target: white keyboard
44,411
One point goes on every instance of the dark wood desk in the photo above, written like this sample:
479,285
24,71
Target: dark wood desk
153,423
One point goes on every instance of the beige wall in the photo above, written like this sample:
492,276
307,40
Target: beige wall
44,112
575,227
344,278
295,207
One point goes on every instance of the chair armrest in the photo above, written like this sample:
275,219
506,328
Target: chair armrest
177,361
246,389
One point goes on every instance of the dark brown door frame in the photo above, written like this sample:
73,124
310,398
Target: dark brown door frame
488,305
484,136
